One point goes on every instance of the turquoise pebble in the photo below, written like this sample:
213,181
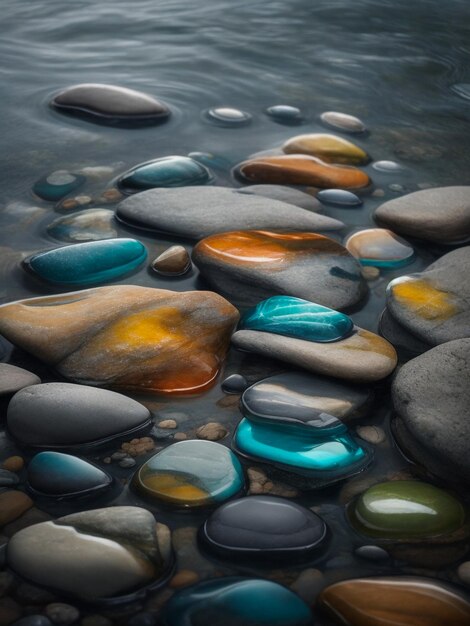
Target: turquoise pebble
171,171
55,186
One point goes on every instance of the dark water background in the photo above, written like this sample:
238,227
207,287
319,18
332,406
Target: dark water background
392,63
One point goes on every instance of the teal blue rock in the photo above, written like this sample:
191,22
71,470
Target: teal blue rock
87,263
58,475
236,602
324,459
170,171
57,185
294,317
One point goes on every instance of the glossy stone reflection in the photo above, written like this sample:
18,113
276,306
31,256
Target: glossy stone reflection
174,261
343,121
380,248
227,116
55,186
88,225
191,474
263,527
170,171
293,317
284,114
328,148
339,197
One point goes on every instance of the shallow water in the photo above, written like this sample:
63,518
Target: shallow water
391,63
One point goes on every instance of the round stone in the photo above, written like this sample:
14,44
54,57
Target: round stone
87,263
329,148
61,613
55,186
88,225
227,116
263,527
13,378
169,171
343,121
242,601
234,384
372,553
339,197
174,261
191,474
66,415
58,475
379,247
388,167
284,114
405,509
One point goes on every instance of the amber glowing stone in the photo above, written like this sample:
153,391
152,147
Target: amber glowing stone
423,299
298,169
126,337
327,147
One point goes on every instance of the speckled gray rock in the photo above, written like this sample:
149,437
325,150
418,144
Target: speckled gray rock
13,378
196,212
64,414
284,194
94,555
434,305
431,396
401,339
440,214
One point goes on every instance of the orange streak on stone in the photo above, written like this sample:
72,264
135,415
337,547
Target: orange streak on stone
424,300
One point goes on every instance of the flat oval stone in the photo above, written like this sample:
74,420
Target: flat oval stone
302,264
343,121
406,509
242,601
304,400
302,169
55,186
227,116
88,225
380,248
339,197
372,553
284,114
197,212
191,474
389,601
13,378
361,357
174,261
293,317
63,415
388,167
169,171
290,195
323,459
111,104
234,384
440,214
60,475
121,551
87,263
264,527
126,336
329,148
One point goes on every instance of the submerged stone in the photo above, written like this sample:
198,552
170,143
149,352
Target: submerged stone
227,116
388,167
13,378
125,336
238,602
380,248
284,114
293,317
234,384
339,197
300,169
63,415
389,601
104,554
343,121
111,104
174,261
328,148
263,527
87,263
169,171
58,475
55,186
191,474
406,509
265,263
88,225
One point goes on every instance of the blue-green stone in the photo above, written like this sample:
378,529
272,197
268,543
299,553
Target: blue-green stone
236,602
62,475
88,263
55,186
171,171
294,317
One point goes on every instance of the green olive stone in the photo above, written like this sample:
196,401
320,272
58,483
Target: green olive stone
406,509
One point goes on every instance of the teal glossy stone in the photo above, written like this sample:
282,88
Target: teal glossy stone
294,317
328,459
88,263
236,602
60,475
170,171
55,186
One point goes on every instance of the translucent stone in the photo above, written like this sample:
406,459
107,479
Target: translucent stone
380,247
170,171
55,186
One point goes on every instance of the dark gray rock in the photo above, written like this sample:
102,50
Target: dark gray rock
440,214
196,212
13,378
400,338
284,194
431,396
66,415
234,384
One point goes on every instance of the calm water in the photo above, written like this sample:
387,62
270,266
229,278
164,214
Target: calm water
392,63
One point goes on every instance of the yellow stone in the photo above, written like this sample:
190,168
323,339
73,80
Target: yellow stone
327,147
423,299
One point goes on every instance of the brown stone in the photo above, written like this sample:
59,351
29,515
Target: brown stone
329,148
184,578
174,261
170,424
12,505
10,611
212,431
13,464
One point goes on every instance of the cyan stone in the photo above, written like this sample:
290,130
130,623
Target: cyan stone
55,186
88,263
294,317
170,171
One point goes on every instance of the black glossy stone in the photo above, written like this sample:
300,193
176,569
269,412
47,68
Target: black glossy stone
264,527
236,383
372,553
